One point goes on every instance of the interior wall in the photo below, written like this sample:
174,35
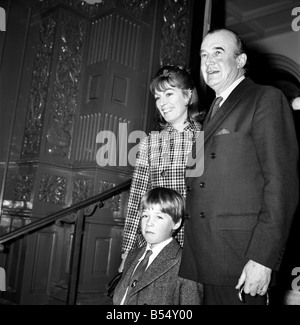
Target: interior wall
274,44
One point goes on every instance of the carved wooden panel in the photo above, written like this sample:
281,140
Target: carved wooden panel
89,126
101,30
42,262
52,189
14,264
176,32
65,90
117,70
83,189
38,268
61,264
19,188
100,261
112,204
39,89
125,42
140,9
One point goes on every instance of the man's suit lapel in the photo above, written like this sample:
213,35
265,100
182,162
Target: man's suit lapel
209,127
230,103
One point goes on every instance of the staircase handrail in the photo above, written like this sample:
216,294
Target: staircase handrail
51,218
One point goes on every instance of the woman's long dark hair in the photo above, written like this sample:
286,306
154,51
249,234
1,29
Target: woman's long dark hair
177,76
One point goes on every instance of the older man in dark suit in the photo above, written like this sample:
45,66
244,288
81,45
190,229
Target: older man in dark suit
242,206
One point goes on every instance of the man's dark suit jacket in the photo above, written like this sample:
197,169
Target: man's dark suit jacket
160,284
242,206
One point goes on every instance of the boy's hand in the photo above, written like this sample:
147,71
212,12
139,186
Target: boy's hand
124,256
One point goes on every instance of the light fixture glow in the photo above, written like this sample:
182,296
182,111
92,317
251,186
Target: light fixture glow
296,104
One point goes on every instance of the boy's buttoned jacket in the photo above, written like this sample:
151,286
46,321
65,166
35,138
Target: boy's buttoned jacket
160,284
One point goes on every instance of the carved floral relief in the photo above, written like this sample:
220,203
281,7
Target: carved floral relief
66,87
52,189
39,89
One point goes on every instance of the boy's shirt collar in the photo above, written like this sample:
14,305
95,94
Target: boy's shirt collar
156,250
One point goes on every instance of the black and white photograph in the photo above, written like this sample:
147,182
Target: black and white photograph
149,155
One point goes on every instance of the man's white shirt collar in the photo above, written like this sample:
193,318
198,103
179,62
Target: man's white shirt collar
227,92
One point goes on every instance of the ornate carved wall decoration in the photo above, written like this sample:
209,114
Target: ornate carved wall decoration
66,87
91,10
23,188
5,223
136,8
112,204
83,189
18,194
52,189
17,223
39,89
175,32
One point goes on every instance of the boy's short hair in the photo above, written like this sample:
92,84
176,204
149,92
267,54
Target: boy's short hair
170,201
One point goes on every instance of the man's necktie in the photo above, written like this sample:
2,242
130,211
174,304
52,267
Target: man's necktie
215,106
137,273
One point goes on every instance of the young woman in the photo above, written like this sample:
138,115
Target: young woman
163,155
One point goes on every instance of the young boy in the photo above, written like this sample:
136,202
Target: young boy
162,211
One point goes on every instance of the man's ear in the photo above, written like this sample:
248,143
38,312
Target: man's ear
241,60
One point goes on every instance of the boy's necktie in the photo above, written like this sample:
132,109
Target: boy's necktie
215,106
137,273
